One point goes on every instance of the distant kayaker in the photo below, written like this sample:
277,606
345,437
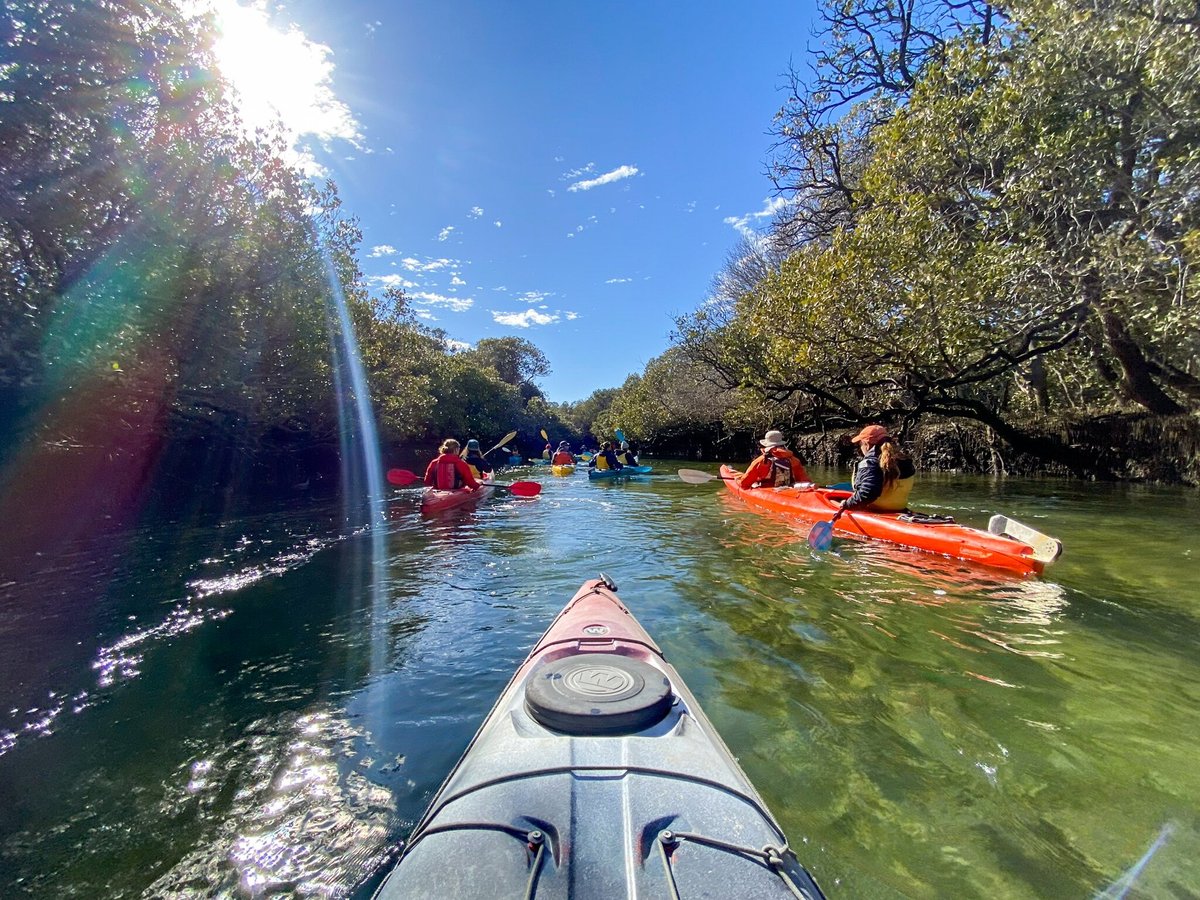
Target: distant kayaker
885,474
546,451
563,455
626,455
448,471
776,466
476,460
605,459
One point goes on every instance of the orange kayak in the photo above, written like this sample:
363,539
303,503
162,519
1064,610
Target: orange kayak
949,539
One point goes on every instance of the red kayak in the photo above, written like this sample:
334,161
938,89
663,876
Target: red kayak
596,776
947,538
433,500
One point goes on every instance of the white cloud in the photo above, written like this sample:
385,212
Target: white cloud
445,232
571,316
427,265
456,346
607,178
535,296
497,223
475,213
454,304
744,225
575,173
382,250
455,281
524,319
392,280
618,280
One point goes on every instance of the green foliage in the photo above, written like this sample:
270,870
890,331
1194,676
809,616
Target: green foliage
1011,231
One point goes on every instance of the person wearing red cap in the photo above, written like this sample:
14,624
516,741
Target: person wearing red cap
776,466
885,474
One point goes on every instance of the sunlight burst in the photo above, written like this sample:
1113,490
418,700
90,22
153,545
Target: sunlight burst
280,79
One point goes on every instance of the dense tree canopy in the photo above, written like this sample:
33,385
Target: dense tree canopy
992,219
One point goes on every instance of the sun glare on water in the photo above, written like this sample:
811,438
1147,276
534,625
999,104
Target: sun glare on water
280,78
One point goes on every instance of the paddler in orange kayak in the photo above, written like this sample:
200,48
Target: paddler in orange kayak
776,466
885,474
447,471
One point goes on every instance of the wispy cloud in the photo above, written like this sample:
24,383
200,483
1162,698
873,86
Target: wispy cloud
571,316
745,225
456,346
618,280
454,304
524,319
475,213
392,280
575,173
607,178
383,250
445,232
427,265
497,223
455,281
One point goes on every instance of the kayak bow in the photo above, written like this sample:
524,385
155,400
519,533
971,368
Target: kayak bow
596,775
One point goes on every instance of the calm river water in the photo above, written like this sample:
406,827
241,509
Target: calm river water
256,709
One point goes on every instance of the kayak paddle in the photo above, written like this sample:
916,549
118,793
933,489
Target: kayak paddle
820,537
695,476
520,488
545,437
1045,548
841,486
504,440
403,478
620,435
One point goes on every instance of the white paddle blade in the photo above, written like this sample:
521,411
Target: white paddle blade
1045,548
695,476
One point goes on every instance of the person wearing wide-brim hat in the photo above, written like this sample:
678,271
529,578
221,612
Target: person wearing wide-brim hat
884,476
776,466
474,458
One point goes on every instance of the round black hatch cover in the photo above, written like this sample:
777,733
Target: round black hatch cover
598,694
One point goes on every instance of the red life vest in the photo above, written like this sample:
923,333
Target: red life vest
446,474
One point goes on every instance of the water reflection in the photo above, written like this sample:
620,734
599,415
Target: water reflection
921,726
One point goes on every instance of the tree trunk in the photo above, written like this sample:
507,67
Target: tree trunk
1137,379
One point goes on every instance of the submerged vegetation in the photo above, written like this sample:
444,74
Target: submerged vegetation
990,233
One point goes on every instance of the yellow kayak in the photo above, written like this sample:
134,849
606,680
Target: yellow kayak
563,470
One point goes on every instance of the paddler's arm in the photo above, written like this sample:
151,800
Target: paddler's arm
868,484
465,471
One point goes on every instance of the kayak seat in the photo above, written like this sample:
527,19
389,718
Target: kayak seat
925,518
598,694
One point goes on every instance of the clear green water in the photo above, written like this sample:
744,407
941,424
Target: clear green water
256,709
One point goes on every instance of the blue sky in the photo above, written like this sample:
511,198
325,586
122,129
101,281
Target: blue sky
573,174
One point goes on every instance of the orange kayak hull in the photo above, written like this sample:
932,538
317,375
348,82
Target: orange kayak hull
951,539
